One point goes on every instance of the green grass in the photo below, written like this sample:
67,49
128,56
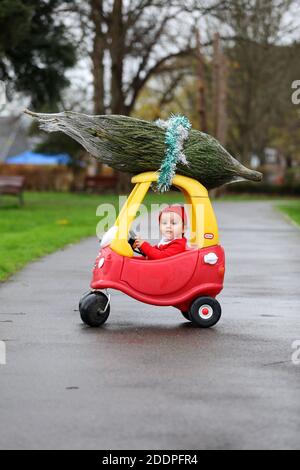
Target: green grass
291,209
49,221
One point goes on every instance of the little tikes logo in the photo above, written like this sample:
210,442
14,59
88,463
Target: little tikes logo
208,236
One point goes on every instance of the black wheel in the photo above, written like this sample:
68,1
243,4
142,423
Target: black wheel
205,312
94,309
186,315
82,299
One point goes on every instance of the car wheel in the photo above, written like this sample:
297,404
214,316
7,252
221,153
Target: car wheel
94,309
205,312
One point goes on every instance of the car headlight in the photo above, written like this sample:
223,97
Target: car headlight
210,258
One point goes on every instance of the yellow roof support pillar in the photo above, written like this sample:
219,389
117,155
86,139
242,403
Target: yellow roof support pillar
203,224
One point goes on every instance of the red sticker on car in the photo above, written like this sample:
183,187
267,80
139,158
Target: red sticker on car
209,235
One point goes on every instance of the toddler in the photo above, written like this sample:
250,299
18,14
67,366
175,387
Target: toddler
172,222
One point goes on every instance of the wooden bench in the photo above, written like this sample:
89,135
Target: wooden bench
13,185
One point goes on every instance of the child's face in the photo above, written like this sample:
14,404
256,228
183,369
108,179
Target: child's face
171,225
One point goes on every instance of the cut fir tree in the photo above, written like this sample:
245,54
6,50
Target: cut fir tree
134,145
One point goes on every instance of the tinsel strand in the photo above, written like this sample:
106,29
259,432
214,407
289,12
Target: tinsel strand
177,131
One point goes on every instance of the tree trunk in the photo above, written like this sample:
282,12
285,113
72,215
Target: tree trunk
220,74
201,85
220,70
98,56
117,35
222,121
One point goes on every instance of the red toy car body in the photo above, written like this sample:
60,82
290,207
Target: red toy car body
157,282
188,281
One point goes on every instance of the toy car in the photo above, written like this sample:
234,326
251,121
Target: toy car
188,281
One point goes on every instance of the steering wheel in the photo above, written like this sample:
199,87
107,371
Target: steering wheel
131,240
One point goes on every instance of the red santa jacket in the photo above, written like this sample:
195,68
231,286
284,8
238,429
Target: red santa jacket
163,251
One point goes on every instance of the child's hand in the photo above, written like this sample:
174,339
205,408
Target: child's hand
138,242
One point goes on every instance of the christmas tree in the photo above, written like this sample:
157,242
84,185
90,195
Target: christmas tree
135,145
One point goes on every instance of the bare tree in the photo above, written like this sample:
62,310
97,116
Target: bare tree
142,37
258,72
139,32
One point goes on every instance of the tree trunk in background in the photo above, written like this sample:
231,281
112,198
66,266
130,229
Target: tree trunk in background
97,56
223,119
117,35
220,73
200,85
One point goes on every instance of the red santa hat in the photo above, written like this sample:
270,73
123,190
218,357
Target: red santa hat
178,208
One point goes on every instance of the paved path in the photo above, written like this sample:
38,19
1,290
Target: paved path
149,379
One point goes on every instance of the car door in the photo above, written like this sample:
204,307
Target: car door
160,277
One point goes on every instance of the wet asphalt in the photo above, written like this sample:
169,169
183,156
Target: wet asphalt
148,379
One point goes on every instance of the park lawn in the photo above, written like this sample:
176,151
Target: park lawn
49,221
291,209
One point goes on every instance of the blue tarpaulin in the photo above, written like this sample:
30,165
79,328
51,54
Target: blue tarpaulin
31,158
